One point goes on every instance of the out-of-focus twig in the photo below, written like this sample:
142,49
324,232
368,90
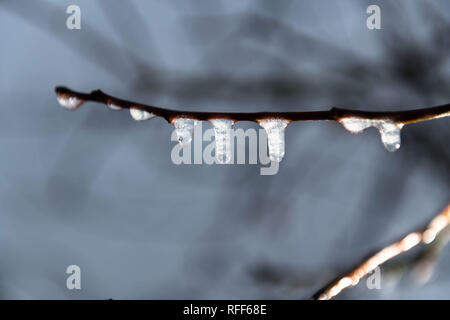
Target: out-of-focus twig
425,235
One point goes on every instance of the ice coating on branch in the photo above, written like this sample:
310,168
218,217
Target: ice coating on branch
222,130
140,115
390,135
70,103
113,106
275,135
355,125
184,128
389,130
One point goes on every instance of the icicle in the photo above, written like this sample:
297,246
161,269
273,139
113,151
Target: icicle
390,135
70,103
114,106
185,129
140,115
388,129
222,130
275,135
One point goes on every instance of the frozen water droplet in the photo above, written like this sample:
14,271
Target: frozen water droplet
184,128
388,129
355,125
68,102
140,115
222,130
390,135
114,106
275,135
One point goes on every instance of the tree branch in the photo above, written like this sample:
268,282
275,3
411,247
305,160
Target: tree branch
425,235
334,114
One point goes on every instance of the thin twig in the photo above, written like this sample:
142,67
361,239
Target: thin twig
334,114
425,235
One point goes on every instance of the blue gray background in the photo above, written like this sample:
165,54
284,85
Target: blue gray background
96,189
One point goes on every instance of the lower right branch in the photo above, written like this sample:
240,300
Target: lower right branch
425,235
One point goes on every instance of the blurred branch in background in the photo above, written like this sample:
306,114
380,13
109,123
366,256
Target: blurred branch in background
439,226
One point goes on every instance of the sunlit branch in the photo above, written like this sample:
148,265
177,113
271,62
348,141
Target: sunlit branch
334,114
388,124
423,236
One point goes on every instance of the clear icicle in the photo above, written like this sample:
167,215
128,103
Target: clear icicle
70,103
113,106
140,115
275,135
222,130
388,129
184,128
390,135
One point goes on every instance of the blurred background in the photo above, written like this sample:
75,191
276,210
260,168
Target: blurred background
96,189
